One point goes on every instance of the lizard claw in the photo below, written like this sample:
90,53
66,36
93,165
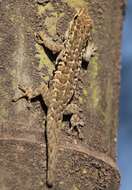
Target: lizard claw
38,39
76,125
27,92
76,128
22,88
16,98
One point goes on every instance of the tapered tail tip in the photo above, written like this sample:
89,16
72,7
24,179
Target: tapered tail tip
49,180
49,183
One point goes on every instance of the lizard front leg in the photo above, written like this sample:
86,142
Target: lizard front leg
43,39
75,121
29,93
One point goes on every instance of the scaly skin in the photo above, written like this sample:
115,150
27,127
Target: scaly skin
63,84
64,81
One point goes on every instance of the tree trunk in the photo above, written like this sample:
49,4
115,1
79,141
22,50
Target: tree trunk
87,164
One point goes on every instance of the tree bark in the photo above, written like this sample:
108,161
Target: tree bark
87,164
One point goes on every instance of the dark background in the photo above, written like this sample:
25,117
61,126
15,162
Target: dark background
125,128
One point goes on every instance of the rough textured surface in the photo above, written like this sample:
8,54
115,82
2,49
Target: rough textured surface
58,95
22,153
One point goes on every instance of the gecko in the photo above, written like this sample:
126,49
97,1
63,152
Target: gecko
59,92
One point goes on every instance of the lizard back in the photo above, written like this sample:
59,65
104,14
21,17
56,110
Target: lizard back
63,83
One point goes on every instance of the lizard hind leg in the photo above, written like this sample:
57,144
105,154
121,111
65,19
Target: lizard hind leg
89,51
76,123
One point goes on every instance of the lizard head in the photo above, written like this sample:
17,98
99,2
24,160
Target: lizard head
83,18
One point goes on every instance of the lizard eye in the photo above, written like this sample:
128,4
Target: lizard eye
75,17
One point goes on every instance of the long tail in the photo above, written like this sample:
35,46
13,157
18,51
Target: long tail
51,134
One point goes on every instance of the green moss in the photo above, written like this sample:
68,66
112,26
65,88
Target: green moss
51,20
44,60
41,8
95,96
80,100
62,125
77,3
109,96
3,112
85,92
95,90
75,187
51,24
46,78
93,30
94,65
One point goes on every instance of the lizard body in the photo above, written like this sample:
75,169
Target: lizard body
64,81
62,86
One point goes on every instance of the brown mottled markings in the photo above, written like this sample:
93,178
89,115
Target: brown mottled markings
64,81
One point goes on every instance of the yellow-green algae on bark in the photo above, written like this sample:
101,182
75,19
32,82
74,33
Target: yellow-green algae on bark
93,88
94,84
74,187
50,23
42,9
109,96
76,3
44,60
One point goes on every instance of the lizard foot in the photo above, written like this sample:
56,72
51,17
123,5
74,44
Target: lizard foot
90,51
27,93
76,125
